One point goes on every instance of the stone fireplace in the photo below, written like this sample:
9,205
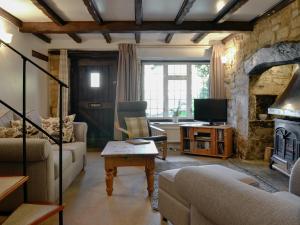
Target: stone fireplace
265,76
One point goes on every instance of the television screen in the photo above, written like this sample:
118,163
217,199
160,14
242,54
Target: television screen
210,110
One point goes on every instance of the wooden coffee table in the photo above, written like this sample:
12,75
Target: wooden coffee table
121,153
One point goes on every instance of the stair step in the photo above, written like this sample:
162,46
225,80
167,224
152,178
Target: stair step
32,214
10,184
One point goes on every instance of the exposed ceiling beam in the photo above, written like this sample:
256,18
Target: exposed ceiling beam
184,10
17,22
48,11
43,37
131,27
92,8
224,14
229,9
138,18
199,37
276,8
11,18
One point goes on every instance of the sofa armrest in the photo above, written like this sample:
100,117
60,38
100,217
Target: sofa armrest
80,131
11,149
225,200
295,179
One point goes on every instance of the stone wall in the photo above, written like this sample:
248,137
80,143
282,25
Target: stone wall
251,136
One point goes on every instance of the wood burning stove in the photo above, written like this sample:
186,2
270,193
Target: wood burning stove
286,144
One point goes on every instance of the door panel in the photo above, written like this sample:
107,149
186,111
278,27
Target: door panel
94,105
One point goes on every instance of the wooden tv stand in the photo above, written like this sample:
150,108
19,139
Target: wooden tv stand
204,140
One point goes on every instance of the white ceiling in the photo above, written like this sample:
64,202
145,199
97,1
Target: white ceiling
153,10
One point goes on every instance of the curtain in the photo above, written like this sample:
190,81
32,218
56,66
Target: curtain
53,65
128,78
217,89
64,77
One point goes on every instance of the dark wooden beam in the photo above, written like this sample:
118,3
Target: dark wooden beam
131,27
11,18
137,37
48,11
224,14
199,37
138,18
184,10
75,37
92,8
44,7
40,56
43,37
229,9
276,8
169,37
138,12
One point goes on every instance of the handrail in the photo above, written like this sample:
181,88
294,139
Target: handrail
30,121
33,63
24,118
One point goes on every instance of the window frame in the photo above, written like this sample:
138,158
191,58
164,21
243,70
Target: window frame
166,78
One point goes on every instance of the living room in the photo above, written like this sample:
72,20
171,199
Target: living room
150,112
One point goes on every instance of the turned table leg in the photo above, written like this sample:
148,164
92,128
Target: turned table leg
149,168
115,171
109,181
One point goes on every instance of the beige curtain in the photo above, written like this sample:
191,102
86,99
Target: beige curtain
217,89
53,65
64,77
128,78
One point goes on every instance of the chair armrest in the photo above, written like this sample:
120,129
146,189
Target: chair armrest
294,186
11,149
157,130
80,131
225,200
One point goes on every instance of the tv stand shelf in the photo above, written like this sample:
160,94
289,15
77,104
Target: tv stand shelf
198,139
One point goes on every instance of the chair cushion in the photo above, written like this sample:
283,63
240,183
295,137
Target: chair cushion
137,127
67,161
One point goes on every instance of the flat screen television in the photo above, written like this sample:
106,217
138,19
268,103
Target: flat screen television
210,110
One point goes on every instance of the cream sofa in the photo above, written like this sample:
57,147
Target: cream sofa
214,195
43,160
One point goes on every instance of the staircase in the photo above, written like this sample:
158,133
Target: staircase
31,213
25,214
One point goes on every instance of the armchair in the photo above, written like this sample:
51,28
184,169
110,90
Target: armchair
138,109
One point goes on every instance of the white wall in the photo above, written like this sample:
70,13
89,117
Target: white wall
11,72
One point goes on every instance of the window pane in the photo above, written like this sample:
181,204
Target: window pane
153,90
200,82
177,70
177,98
95,80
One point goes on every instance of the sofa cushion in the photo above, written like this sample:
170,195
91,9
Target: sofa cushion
166,182
31,131
77,149
5,118
67,161
287,196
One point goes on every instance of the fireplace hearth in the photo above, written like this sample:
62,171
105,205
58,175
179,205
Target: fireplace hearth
286,145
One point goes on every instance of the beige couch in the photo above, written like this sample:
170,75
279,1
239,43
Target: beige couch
42,163
205,195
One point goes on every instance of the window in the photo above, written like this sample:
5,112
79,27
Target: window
170,87
95,80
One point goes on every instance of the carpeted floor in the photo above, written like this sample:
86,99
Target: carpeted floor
268,180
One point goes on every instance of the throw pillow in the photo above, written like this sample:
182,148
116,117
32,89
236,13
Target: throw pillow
8,132
137,127
31,131
51,126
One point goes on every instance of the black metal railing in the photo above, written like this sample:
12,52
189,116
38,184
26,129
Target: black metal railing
25,119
